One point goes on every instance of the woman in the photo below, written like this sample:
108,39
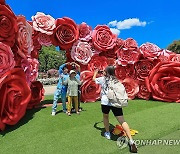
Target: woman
72,91
106,106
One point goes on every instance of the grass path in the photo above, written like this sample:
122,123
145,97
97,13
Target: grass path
39,132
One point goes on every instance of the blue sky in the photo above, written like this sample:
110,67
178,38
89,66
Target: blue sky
156,21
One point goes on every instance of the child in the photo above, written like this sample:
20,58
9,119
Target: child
72,91
76,68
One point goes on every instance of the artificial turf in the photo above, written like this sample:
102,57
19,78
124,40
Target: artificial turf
39,132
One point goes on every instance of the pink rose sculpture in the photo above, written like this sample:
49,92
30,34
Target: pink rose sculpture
81,52
43,23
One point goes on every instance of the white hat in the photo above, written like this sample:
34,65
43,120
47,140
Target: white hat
72,71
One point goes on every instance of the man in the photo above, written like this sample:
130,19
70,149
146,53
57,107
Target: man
61,89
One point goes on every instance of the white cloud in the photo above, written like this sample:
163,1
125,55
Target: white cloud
125,24
113,23
115,31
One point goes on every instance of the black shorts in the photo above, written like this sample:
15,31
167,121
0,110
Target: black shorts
116,111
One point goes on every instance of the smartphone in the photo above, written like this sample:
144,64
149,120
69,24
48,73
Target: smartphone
100,71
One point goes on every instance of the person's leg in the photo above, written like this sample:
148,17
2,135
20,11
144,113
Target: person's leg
118,113
125,126
73,106
69,104
106,121
63,99
56,97
105,110
75,100
79,97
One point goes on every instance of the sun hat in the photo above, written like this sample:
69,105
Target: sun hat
72,71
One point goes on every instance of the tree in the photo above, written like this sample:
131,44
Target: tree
50,58
175,46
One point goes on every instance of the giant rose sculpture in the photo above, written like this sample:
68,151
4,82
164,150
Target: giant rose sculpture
164,82
66,33
14,97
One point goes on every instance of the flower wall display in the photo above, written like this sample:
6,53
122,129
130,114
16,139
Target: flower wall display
19,64
146,71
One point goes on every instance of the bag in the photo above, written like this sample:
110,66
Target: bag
116,93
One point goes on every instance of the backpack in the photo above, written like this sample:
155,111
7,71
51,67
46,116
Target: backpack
116,93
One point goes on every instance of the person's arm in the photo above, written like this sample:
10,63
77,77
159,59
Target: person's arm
64,82
79,82
95,74
77,67
61,67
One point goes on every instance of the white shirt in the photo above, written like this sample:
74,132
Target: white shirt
103,82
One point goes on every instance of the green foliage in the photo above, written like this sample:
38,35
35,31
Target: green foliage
175,46
50,58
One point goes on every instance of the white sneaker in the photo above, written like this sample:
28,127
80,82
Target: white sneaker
53,113
107,135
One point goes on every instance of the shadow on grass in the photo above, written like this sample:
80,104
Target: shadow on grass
27,117
50,101
111,127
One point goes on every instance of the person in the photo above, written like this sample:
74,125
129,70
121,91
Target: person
76,68
106,106
72,91
61,89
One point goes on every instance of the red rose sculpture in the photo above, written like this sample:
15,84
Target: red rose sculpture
15,95
164,82
2,2
37,48
119,44
130,44
128,53
103,39
132,87
43,23
6,59
109,54
24,37
85,32
66,33
175,58
150,50
143,91
8,25
97,62
81,52
127,57
143,67
90,91
123,72
111,61
37,94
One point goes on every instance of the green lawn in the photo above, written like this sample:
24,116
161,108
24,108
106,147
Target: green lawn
39,132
